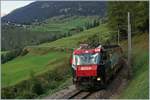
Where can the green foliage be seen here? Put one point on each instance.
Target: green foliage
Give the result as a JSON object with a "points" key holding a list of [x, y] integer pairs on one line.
{"points": [[10, 55], [37, 87], [25, 94], [93, 41], [24, 52], [138, 86], [117, 16], [94, 23]]}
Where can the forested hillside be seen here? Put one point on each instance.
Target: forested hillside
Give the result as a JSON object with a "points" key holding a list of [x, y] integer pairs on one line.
{"points": [[45, 21], [117, 20], [41, 10], [117, 16], [15, 37]]}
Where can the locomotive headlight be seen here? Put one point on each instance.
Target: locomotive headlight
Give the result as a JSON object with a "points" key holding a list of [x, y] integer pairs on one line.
{"points": [[98, 79]]}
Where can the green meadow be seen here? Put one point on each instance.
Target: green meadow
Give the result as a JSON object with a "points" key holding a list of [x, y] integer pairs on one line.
{"points": [[62, 25], [73, 41], [21, 67]]}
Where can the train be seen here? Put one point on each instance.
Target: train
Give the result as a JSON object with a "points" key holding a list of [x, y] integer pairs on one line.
{"points": [[94, 67]]}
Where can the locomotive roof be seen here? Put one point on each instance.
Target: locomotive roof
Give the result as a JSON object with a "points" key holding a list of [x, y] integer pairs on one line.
{"points": [[94, 50], [84, 51]]}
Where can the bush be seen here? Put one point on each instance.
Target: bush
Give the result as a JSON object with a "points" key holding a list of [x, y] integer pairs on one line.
{"points": [[37, 87], [92, 41], [7, 93], [27, 95], [24, 52], [10, 55]]}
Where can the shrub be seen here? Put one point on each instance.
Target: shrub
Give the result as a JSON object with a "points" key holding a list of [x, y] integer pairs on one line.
{"points": [[10, 55], [26, 94], [24, 52], [37, 87]]}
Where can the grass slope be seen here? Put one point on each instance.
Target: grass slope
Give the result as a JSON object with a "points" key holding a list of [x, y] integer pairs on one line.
{"points": [[138, 87], [62, 25], [20, 68], [73, 41]]}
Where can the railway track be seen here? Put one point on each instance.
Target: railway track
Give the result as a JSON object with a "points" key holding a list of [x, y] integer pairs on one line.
{"points": [[79, 94]]}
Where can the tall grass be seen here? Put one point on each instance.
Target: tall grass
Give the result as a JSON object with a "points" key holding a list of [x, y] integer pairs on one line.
{"points": [[138, 87]]}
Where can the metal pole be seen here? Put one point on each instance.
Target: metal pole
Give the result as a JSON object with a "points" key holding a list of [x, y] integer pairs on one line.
{"points": [[129, 45]]}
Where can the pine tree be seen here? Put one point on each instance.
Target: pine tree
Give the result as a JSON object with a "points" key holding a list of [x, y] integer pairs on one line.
{"points": [[117, 16]]}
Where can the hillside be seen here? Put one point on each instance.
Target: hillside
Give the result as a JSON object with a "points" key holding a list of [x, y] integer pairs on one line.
{"points": [[14, 37], [41, 10], [37, 54], [61, 24], [138, 86], [38, 40], [24, 66], [46, 57], [40, 62], [102, 31]]}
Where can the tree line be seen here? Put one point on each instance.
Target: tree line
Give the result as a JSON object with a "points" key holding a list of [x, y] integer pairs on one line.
{"points": [[14, 37], [117, 16], [17, 37]]}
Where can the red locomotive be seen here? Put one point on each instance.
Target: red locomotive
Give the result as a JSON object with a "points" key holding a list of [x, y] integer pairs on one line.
{"points": [[94, 67]]}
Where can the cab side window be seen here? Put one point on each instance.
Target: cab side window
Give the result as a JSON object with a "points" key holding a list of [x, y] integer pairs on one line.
{"points": [[103, 57]]}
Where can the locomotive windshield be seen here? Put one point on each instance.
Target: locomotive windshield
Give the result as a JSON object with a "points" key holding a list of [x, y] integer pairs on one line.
{"points": [[86, 59]]}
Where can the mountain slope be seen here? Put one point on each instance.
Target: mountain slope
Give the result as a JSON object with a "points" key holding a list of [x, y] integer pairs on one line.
{"points": [[29, 61], [14, 37], [41, 57], [41, 10]]}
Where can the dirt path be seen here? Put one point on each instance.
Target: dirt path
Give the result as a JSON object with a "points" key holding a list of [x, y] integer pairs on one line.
{"points": [[112, 91]]}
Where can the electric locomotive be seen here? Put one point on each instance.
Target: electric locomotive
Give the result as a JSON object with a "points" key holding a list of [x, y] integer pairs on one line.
{"points": [[94, 67]]}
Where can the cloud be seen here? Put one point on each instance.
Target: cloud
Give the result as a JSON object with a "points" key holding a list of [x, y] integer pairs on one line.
{"points": [[8, 6]]}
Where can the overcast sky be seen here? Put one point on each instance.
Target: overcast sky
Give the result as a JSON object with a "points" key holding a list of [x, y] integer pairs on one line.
{"points": [[8, 6]]}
